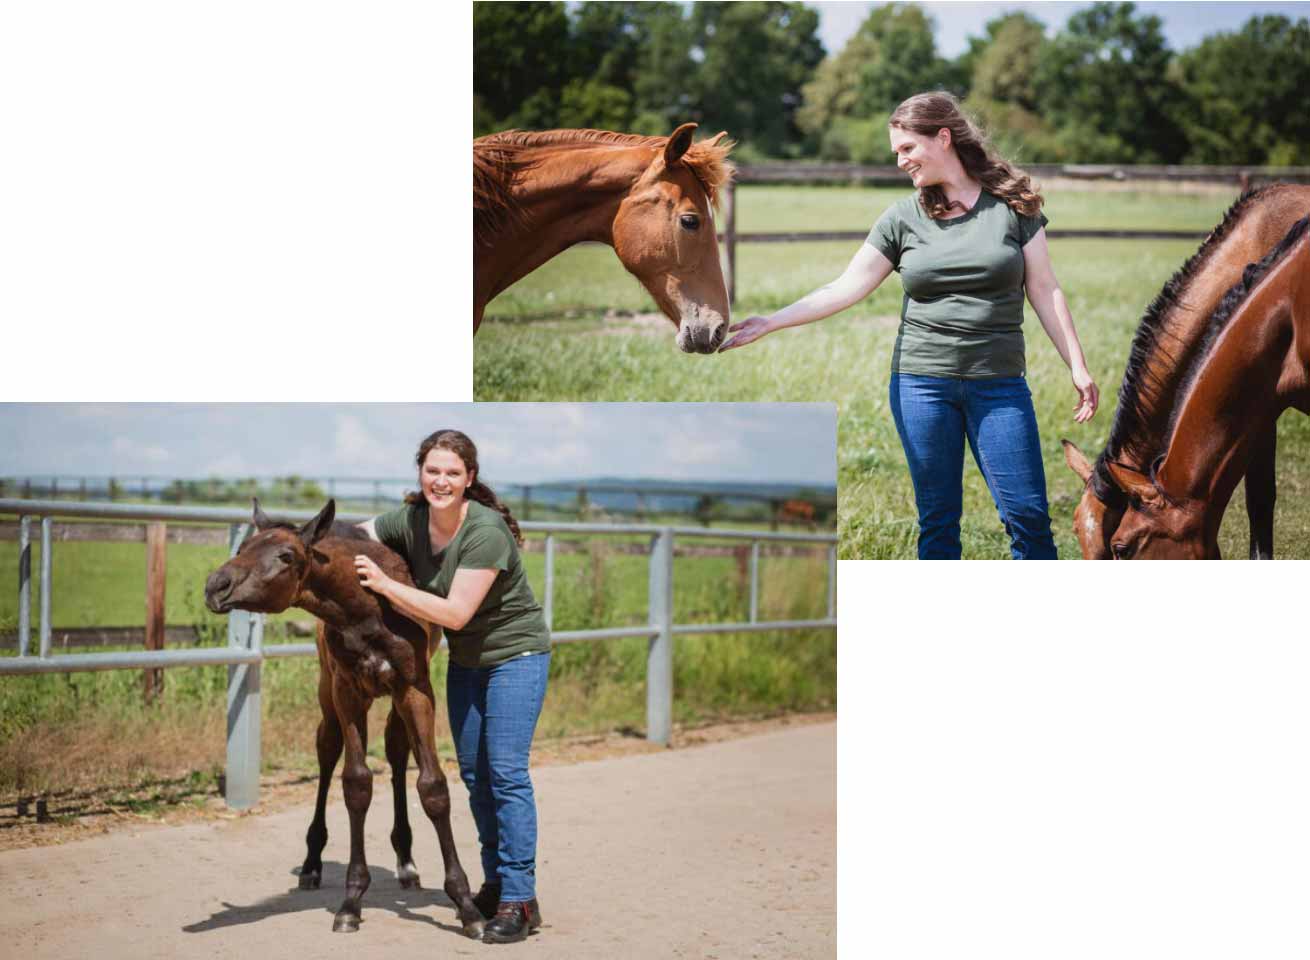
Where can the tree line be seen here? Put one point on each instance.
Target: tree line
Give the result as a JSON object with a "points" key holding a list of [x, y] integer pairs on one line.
{"points": [[1106, 88]]}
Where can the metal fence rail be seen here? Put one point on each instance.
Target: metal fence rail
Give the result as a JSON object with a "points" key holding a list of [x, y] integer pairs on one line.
{"points": [[246, 652]]}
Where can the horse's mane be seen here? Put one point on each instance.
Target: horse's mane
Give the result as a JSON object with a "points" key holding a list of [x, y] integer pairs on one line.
{"points": [[499, 159], [1141, 420]]}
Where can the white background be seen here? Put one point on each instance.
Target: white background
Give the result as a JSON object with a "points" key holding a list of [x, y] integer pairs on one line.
{"points": [[270, 201]]}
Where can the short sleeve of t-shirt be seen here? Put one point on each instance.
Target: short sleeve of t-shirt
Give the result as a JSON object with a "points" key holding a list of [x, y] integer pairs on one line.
{"points": [[393, 528], [485, 548], [885, 237], [1028, 227]]}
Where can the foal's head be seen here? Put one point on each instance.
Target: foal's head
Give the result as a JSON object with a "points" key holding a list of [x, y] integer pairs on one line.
{"points": [[1156, 526], [268, 571], [665, 235]]}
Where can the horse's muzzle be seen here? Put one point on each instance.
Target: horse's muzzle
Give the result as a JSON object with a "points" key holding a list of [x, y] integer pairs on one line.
{"points": [[701, 337], [218, 592]]}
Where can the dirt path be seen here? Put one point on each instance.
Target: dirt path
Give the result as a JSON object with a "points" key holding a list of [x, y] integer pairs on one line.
{"points": [[725, 850]]}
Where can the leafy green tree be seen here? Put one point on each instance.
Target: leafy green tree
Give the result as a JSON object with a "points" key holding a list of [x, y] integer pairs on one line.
{"points": [[591, 103], [1245, 94], [519, 51], [1103, 83], [1005, 68], [754, 58]]}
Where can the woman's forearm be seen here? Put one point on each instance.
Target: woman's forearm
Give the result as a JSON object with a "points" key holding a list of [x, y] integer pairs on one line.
{"points": [[830, 298], [421, 605], [1053, 312]]}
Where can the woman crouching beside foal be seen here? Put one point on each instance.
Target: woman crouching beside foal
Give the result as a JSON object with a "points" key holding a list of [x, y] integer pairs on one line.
{"points": [[461, 544], [968, 244]]}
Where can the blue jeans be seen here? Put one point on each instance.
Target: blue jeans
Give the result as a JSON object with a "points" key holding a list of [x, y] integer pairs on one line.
{"points": [[934, 416], [493, 713]]}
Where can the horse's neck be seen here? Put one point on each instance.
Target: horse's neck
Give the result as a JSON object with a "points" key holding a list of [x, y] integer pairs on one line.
{"points": [[321, 595], [1255, 370], [1184, 321], [567, 197]]}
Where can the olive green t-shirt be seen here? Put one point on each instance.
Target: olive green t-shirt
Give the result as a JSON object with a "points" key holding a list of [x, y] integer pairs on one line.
{"points": [[509, 621], [962, 315]]}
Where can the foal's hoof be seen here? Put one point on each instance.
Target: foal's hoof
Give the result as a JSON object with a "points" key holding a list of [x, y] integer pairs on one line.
{"points": [[345, 923], [407, 874], [310, 881]]}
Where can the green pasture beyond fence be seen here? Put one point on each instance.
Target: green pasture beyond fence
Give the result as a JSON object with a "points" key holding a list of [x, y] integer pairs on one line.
{"points": [[583, 345]]}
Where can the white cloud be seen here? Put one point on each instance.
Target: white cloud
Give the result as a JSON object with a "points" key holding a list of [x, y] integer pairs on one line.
{"points": [[356, 447]]}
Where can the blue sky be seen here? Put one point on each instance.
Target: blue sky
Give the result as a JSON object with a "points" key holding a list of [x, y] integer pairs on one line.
{"points": [[517, 443], [1185, 24]]}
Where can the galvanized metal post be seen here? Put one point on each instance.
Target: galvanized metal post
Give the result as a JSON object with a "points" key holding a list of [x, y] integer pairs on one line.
{"points": [[244, 630], [755, 581], [548, 601], [45, 586], [832, 581], [659, 657], [24, 584]]}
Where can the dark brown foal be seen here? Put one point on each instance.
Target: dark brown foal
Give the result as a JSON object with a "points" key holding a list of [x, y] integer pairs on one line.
{"points": [[366, 649]]}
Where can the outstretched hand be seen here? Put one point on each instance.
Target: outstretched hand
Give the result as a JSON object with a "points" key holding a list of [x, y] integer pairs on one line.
{"points": [[370, 574], [1089, 396], [748, 331]]}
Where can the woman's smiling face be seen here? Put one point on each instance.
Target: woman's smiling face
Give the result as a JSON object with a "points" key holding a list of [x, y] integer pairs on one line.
{"points": [[922, 157], [444, 478]]}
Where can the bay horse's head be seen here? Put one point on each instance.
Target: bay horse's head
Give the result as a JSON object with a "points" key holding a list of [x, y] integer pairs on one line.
{"points": [[1095, 518], [268, 571], [1157, 526], [665, 235]]}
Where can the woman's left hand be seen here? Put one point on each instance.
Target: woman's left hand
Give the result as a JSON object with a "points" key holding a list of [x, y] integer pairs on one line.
{"points": [[1088, 395], [370, 575]]}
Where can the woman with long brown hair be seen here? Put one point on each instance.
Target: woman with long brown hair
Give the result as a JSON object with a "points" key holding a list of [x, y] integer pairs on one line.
{"points": [[461, 544], [969, 243]]}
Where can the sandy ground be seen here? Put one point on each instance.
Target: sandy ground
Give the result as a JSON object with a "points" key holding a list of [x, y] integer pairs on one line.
{"points": [[726, 849]]}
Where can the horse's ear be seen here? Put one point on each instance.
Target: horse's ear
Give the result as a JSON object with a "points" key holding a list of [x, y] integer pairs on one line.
{"points": [[714, 140], [1076, 459], [262, 522], [679, 143], [1136, 485], [317, 528]]}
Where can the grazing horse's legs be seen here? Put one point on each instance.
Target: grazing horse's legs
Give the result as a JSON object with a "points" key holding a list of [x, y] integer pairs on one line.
{"points": [[357, 785], [328, 743], [417, 705], [402, 838], [1261, 492]]}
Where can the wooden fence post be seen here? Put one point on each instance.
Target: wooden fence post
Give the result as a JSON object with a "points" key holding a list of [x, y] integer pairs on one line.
{"points": [[731, 237], [156, 574]]}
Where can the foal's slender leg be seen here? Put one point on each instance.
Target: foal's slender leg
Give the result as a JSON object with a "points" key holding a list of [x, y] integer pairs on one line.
{"points": [[328, 743], [1261, 492], [357, 784], [417, 706], [402, 838]]}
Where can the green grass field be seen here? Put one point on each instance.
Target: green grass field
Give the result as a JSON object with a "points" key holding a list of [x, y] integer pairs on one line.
{"points": [[846, 358]]}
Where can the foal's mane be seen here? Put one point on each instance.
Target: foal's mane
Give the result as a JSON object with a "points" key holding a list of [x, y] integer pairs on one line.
{"points": [[1143, 416], [500, 159]]}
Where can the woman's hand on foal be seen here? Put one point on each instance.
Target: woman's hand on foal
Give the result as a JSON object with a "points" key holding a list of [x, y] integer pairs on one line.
{"points": [[1089, 396], [370, 575], [748, 331]]}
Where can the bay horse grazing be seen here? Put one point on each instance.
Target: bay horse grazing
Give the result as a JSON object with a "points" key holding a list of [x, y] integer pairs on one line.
{"points": [[650, 198], [366, 649], [1167, 340], [1257, 366]]}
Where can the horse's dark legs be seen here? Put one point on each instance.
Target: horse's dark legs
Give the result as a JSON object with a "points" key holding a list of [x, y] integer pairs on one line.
{"points": [[418, 709], [402, 838], [1261, 492], [328, 742], [357, 784]]}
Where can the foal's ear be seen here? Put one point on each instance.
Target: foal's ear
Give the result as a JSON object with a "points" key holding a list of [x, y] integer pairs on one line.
{"points": [[1136, 485], [1076, 459], [262, 522], [317, 528], [679, 143]]}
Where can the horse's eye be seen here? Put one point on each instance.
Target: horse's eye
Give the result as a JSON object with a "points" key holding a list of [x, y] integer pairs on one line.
{"points": [[286, 556], [690, 221]]}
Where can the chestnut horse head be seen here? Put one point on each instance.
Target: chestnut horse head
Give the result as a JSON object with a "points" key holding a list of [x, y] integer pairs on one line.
{"points": [[1255, 365], [268, 572], [651, 198], [1168, 339]]}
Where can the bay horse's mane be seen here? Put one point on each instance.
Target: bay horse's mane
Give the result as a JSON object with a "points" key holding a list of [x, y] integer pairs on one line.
{"points": [[1144, 414], [500, 160]]}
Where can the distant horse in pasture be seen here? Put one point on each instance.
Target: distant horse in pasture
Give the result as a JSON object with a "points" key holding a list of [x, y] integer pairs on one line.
{"points": [[1258, 365], [366, 649], [650, 198], [799, 512], [1168, 339]]}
